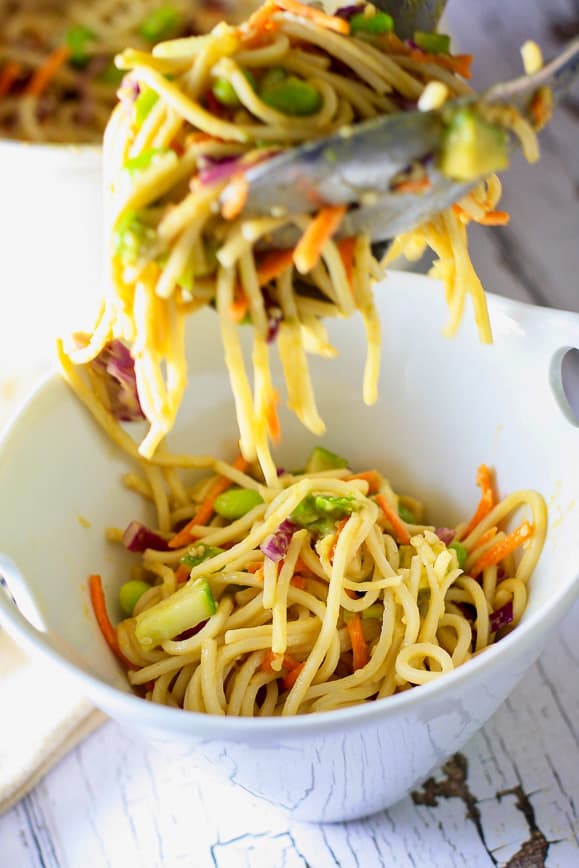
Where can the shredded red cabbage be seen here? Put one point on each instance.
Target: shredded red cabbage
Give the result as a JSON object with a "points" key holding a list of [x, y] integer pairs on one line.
{"points": [[276, 545], [347, 12], [213, 170], [501, 617], [445, 534], [116, 362], [280, 471], [274, 315], [138, 537], [128, 91]]}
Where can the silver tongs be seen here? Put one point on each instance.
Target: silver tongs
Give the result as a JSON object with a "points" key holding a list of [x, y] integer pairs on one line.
{"points": [[359, 167]]}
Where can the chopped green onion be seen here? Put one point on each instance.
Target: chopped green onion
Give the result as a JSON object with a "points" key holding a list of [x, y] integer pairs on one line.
{"points": [[77, 40], [144, 103], [130, 593], [142, 161], [461, 553], [161, 23], [376, 24], [183, 610], [200, 553], [129, 235], [434, 43], [236, 502], [292, 96], [406, 514]]}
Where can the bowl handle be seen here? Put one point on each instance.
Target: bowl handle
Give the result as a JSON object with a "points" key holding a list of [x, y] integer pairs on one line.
{"points": [[562, 338]]}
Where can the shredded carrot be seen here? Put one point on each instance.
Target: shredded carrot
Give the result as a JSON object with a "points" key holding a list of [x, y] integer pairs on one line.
{"points": [[298, 582], [255, 567], [487, 537], [504, 547], [413, 185], [372, 477], [99, 607], [290, 679], [302, 567], [487, 501], [328, 22], [541, 107], [238, 188], [400, 530], [205, 510], [272, 264], [339, 529], [459, 63], [45, 73], [495, 218], [271, 417], [346, 247], [182, 573], [8, 76], [359, 644], [319, 231], [393, 44], [288, 663], [239, 305], [260, 20]]}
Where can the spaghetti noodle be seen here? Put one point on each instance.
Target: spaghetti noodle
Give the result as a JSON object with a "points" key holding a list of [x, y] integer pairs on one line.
{"points": [[327, 591], [58, 82], [194, 116]]}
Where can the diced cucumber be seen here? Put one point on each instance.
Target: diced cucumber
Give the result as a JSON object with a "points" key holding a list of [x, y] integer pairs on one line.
{"points": [[461, 553], [183, 610], [471, 147], [200, 553], [433, 43], [322, 459], [406, 514]]}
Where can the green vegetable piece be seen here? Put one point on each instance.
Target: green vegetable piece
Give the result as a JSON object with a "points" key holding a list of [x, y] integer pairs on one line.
{"points": [[319, 513], [225, 93], [160, 23], [111, 75], [471, 147], [376, 24], [323, 526], [142, 161], [322, 459], [376, 610], [200, 553], [236, 502], [406, 514], [292, 96], [183, 610], [461, 553], [77, 40], [305, 512], [130, 594], [144, 103], [434, 43], [334, 505], [129, 235], [273, 77]]}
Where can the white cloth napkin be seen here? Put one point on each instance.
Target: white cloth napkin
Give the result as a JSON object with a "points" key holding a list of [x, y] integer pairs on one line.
{"points": [[42, 717]]}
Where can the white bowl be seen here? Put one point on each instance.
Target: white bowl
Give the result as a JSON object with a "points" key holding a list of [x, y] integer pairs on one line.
{"points": [[52, 224], [445, 407]]}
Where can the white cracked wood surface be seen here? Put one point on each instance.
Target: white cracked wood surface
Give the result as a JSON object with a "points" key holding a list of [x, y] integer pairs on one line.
{"points": [[511, 796]]}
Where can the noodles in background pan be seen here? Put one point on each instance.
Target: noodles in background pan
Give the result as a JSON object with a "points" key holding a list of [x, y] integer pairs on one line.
{"points": [[324, 592], [194, 115], [58, 81]]}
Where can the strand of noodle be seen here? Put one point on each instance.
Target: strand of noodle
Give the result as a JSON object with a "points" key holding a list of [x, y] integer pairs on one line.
{"points": [[212, 690], [515, 590], [466, 277], [155, 480], [235, 364], [489, 580], [459, 625], [315, 336], [280, 602], [482, 626], [269, 703], [143, 140], [252, 613], [388, 686], [411, 614], [358, 94], [263, 394], [241, 681], [181, 683], [292, 355], [178, 258], [250, 282], [213, 628], [422, 650], [342, 699], [322, 644], [370, 317], [193, 699], [160, 692], [167, 575], [150, 184], [267, 55], [390, 69], [337, 273], [100, 335], [269, 582], [434, 72], [138, 484], [197, 77], [249, 700], [192, 208]]}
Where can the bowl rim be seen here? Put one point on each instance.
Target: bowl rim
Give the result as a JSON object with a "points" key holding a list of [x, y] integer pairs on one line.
{"points": [[160, 717]]}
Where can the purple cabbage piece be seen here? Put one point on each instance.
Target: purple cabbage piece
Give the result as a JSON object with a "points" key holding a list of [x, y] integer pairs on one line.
{"points": [[138, 537], [116, 363], [128, 91], [276, 545], [280, 471], [274, 315], [213, 170], [501, 617], [347, 12], [445, 534]]}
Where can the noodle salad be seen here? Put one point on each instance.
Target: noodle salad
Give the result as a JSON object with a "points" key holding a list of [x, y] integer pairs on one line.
{"points": [[58, 81], [326, 591], [194, 116]]}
